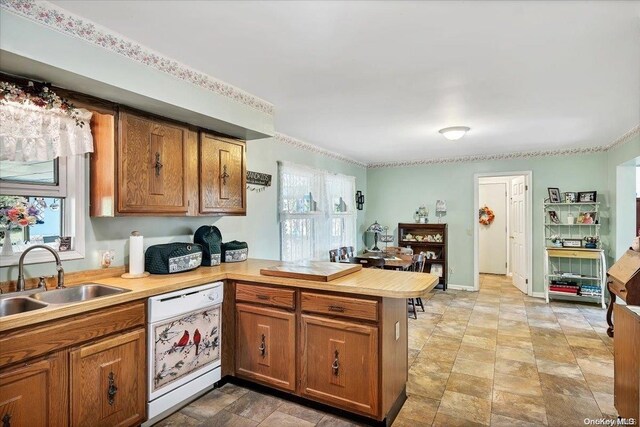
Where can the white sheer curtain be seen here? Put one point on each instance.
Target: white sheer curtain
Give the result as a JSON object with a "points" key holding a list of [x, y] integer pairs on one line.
{"points": [[30, 133], [317, 212]]}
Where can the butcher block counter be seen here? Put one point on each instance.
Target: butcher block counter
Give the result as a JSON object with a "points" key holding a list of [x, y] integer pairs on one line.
{"points": [[341, 343]]}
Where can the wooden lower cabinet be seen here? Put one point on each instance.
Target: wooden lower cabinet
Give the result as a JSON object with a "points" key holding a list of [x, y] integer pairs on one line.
{"points": [[108, 381], [265, 345], [626, 351], [339, 363], [35, 394]]}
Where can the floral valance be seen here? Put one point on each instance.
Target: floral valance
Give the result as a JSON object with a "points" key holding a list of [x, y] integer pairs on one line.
{"points": [[41, 126]]}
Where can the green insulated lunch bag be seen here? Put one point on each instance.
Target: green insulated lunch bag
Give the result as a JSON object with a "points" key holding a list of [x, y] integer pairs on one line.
{"points": [[210, 238], [172, 258], [235, 251]]}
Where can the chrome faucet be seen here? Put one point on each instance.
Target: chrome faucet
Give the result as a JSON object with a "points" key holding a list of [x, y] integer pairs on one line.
{"points": [[20, 284]]}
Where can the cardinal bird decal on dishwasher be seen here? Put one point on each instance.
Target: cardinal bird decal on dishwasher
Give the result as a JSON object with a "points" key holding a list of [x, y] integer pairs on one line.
{"points": [[183, 341], [196, 340]]}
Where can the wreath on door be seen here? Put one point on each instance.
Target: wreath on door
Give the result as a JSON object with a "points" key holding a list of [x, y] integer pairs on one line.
{"points": [[486, 215]]}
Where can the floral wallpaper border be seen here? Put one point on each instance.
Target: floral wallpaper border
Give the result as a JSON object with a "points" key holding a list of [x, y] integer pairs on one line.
{"points": [[285, 139], [73, 25]]}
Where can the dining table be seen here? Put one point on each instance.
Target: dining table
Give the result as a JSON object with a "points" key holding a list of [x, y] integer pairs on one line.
{"points": [[392, 261]]}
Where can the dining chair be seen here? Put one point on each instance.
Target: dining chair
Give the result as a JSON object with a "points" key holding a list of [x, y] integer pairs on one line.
{"points": [[333, 255], [368, 262], [418, 267], [344, 254]]}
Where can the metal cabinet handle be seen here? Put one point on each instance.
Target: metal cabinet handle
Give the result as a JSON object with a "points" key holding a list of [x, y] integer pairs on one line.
{"points": [[336, 364], [112, 390], [336, 308], [260, 296], [262, 348], [158, 165], [6, 420], [224, 175]]}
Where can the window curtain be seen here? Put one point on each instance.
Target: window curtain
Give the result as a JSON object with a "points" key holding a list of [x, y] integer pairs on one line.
{"points": [[316, 210], [29, 133]]}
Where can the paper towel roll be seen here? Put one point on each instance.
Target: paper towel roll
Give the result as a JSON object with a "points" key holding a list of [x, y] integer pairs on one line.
{"points": [[136, 253]]}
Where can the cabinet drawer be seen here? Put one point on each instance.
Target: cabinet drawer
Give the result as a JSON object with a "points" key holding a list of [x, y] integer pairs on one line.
{"points": [[339, 306], [264, 295], [565, 253]]}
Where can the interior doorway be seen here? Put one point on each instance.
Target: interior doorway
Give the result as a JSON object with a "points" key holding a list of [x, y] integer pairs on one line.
{"points": [[502, 230]]}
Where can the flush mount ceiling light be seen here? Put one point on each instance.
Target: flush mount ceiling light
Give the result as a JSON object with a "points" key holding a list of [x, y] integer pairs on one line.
{"points": [[454, 133]]}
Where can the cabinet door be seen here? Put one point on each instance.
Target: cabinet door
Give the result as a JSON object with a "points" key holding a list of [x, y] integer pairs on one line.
{"points": [[35, 394], [222, 175], [108, 381], [152, 159], [265, 345], [339, 363]]}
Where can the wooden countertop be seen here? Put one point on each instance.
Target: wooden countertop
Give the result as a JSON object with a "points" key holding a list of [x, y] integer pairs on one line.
{"points": [[367, 282]]}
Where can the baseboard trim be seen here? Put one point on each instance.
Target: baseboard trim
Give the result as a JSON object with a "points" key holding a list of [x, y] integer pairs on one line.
{"points": [[460, 287], [538, 294]]}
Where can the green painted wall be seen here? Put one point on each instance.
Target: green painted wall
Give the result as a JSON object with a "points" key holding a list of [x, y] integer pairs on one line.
{"points": [[259, 228], [621, 171], [395, 193]]}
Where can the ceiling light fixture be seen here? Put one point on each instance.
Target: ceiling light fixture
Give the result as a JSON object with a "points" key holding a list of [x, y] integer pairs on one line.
{"points": [[454, 133]]}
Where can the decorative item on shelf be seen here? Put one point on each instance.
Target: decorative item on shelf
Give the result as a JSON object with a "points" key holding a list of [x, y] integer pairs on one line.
{"points": [[441, 209], [571, 219], [553, 217], [587, 196], [257, 181], [376, 229], [572, 243], [409, 237], [437, 238], [310, 205], [17, 212], [422, 215], [586, 218], [359, 200], [556, 240], [486, 215], [340, 205], [570, 197], [436, 269], [591, 242], [554, 195], [65, 244], [386, 238]]}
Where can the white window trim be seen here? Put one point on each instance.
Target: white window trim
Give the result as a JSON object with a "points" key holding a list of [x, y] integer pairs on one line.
{"points": [[73, 220]]}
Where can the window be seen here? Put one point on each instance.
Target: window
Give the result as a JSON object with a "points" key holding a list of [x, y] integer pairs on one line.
{"points": [[55, 188], [317, 212]]}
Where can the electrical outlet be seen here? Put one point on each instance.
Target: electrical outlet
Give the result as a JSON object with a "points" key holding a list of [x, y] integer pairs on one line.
{"points": [[397, 331]]}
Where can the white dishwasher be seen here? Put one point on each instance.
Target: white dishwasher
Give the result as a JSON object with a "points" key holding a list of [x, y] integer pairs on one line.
{"points": [[183, 348]]}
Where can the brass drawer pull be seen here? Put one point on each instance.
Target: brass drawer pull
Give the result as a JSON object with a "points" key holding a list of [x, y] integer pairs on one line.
{"points": [[260, 296], [112, 390], [336, 308], [262, 348], [336, 364]]}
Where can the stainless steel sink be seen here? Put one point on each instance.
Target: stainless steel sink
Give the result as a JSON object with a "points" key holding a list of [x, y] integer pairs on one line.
{"points": [[18, 305], [78, 293]]}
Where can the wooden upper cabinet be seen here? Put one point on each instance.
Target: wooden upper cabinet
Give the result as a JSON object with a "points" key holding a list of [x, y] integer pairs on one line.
{"points": [[34, 394], [153, 158], [108, 385], [223, 173]]}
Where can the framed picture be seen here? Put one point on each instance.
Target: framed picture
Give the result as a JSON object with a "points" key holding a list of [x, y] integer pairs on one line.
{"points": [[586, 218], [572, 243], [554, 195], [553, 217], [65, 244], [436, 269], [570, 197], [587, 196]]}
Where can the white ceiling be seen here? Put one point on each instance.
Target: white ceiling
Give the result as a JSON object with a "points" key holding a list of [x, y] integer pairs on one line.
{"points": [[376, 80]]}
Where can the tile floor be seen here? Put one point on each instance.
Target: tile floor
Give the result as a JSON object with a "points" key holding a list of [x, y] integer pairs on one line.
{"points": [[494, 357]]}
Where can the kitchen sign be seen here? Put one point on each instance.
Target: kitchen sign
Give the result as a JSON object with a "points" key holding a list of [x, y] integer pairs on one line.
{"points": [[257, 178]]}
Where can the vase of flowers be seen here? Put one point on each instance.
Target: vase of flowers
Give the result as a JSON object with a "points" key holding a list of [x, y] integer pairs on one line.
{"points": [[16, 211]]}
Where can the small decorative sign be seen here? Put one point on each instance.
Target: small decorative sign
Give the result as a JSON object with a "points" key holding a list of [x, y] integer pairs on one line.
{"points": [[257, 178]]}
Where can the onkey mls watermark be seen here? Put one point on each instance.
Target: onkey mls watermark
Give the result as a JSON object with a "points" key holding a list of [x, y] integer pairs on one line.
{"points": [[610, 421]]}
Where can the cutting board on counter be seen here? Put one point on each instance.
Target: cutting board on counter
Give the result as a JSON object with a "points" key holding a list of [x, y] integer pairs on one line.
{"points": [[317, 271]]}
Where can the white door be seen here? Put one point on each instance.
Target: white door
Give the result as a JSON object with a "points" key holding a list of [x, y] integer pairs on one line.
{"points": [[518, 233], [493, 237]]}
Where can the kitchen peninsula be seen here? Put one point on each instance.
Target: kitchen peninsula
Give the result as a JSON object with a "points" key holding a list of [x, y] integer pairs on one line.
{"points": [[341, 343]]}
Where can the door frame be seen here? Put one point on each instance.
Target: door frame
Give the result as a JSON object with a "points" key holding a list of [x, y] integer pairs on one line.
{"points": [[528, 179]]}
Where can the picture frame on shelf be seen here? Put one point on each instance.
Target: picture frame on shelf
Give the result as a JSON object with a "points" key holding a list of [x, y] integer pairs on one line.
{"points": [[587, 196], [572, 243], [570, 197], [436, 270], [586, 218], [554, 195], [553, 217]]}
